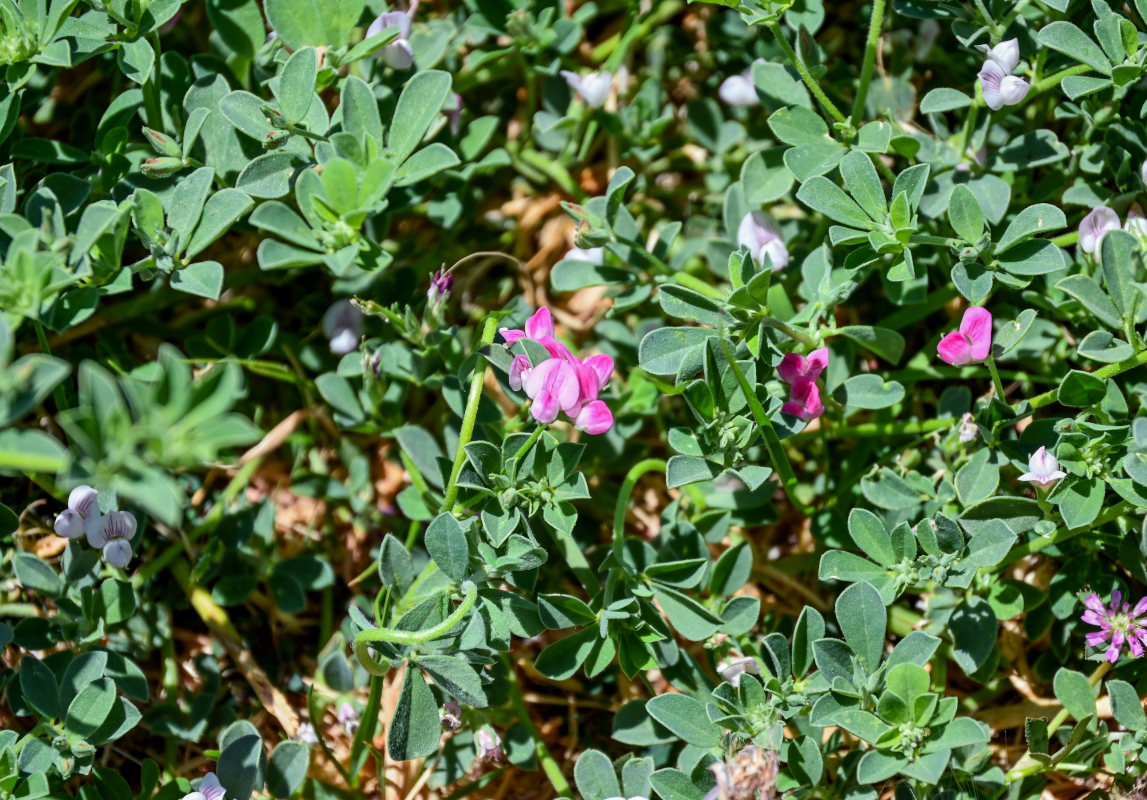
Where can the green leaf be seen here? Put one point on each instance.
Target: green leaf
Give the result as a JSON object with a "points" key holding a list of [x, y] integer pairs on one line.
{"points": [[297, 84], [135, 59], [223, 210], [38, 685], [871, 537], [686, 718], [863, 620], [203, 279], [36, 574], [242, 761], [430, 160], [268, 176], [421, 100], [415, 728], [360, 110], [447, 544], [821, 194], [1121, 262], [319, 23], [974, 630], [863, 184], [287, 768], [1080, 500], [1081, 389], [940, 100], [978, 478], [868, 391], [239, 24], [965, 214], [1033, 257], [1126, 705], [1084, 289], [564, 657], [456, 677], [91, 707], [674, 350], [1071, 41], [887, 344], [1075, 692], [1032, 221], [691, 619], [595, 776]]}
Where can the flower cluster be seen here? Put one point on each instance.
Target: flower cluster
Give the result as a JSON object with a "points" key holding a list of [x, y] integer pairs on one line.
{"points": [[801, 374], [110, 533], [563, 383], [759, 233], [1119, 623], [972, 343], [1102, 220], [1002, 88]]}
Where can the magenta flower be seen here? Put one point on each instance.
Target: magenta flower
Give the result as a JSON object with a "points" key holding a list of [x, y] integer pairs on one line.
{"points": [[805, 402], [563, 383], [1118, 623], [1043, 468], [1095, 226], [441, 285], [972, 342], [794, 365]]}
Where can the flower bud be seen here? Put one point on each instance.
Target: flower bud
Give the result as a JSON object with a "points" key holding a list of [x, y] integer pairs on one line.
{"points": [[161, 166], [275, 139], [441, 285], [163, 144]]}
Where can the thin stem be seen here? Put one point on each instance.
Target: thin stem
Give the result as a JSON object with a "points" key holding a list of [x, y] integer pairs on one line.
{"points": [[525, 448], [1103, 373], [618, 546], [365, 733], [799, 65], [1061, 535], [773, 444], [58, 393], [874, 27], [395, 636], [469, 417], [1053, 80], [789, 330], [996, 382], [549, 764]]}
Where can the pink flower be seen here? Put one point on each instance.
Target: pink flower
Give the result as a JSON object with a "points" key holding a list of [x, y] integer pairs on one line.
{"points": [[590, 414], [1043, 468], [1005, 54], [1118, 623], [113, 538], [553, 386], [540, 325], [759, 233], [794, 365], [1094, 226], [970, 344], [805, 402]]}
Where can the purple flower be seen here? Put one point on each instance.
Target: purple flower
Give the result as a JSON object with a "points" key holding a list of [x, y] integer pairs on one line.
{"points": [[440, 287], [209, 789], [1118, 623], [759, 233], [489, 744], [348, 718]]}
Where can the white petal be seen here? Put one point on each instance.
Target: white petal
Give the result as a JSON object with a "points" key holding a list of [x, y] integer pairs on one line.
{"points": [[738, 90], [1006, 54], [1013, 90], [84, 500], [118, 553]]}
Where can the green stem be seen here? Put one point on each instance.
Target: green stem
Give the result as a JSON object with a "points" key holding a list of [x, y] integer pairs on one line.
{"points": [[618, 546], [1026, 767], [58, 393], [1051, 81], [799, 65], [1103, 373], [365, 733], [773, 444], [1061, 535], [525, 448], [874, 27], [549, 764], [411, 638], [469, 417], [996, 382], [789, 330]]}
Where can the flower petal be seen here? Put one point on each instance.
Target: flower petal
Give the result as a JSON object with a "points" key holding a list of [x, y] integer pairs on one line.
{"points": [[792, 366], [540, 324], [955, 349], [977, 326], [84, 500], [595, 418]]}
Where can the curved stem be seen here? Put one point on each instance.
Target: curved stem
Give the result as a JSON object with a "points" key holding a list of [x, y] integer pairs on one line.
{"points": [[874, 27], [395, 636], [470, 417], [802, 70]]}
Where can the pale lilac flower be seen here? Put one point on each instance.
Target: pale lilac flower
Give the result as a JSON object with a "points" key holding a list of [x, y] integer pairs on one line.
{"points": [[805, 402], [592, 255], [1095, 226], [732, 669], [1119, 624], [1136, 223], [1043, 468], [593, 87], [489, 744], [209, 789], [758, 233], [398, 54], [1001, 89], [739, 90], [1005, 54], [114, 537], [1143, 173], [454, 114], [342, 325], [306, 734], [83, 513], [451, 715], [972, 342], [794, 365], [348, 718], [968, 429]]}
